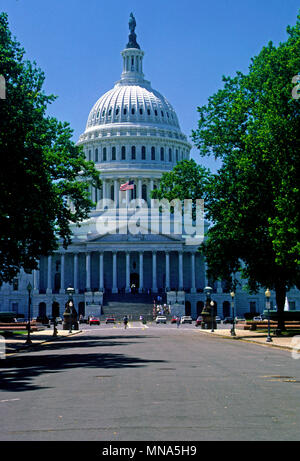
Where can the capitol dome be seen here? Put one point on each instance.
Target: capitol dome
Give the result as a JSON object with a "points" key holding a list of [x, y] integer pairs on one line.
{"points": [[132, 132]]}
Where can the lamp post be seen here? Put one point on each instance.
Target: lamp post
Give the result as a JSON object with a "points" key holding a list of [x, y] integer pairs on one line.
{"points": [[232, 331], [206, 311], [268, 305], [212, 305], [29, 288], [70, 291]]}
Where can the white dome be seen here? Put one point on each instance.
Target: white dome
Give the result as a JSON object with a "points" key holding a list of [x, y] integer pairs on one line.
{"points": [[129, 103]]}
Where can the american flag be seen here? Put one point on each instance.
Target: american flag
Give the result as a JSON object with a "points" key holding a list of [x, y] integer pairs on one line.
{"points": [[127, 186]]}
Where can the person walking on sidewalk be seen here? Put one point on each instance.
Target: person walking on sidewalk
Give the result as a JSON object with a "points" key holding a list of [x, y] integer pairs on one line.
{"points": [[125, 321], [178, 321]]}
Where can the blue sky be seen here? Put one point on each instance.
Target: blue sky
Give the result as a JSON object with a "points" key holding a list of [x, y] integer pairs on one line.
{"points": [[188, 47]]}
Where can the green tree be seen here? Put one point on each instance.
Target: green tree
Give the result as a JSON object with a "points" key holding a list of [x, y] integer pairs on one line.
{"points": [[252, 124], [41, 168]]}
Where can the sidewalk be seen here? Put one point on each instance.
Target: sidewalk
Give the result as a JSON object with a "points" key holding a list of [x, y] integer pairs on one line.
{"points": [[14, 345], [256, 337]]}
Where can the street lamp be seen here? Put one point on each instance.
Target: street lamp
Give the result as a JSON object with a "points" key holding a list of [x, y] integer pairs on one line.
{"points": [[212, 305], [268, 306], [29, 288], [232, 331]]}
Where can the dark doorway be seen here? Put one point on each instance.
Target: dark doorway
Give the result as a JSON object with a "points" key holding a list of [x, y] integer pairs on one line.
{"points": [[55, 309], [134, 282], [81, 308], [200, 305], [42, 310], [226, 309], [188, 309]]}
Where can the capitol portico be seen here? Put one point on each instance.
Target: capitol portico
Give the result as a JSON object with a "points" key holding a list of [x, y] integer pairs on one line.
{"points": [[132, 135]]}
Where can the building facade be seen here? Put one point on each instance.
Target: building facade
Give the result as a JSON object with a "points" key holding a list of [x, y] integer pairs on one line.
{"points": [[133, 136]]}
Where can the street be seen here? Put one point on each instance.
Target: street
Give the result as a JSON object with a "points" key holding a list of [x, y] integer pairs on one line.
{"points": [[149, 382]]}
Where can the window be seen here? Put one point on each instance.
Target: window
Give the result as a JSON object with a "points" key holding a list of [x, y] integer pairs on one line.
{"points": [[123, 153], [14, 307], [155, 112], [162, 154], [253, 307], [148, 111], [144, 192], [96, 155], [176, 155], [141, 111], [117, 110], [113, 153], [103, 113], [170, 155], [133, 111], [109, 112], [112, 192], [152, 153], [90, 155], [143, 153], [133, 153], [162, 114], [104, 154], [292, 305], [125, 111]]}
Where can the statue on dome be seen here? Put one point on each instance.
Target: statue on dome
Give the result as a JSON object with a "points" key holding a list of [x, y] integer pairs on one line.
{"points": [[132, 23], [132, 36]]}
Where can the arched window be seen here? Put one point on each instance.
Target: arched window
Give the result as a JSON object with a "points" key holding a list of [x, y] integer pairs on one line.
{"points": [[96, 155], [162, 154], [143, 153], [170, 155], [141, 111], [155, 112], [123, 153], [148, 111], [133, 111], [125, 111], [104, 154], [152, 153], [117, 110], [113, 153], [133, 152]]}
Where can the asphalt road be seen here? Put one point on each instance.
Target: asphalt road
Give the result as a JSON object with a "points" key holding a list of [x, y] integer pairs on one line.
{"points": [[154, 383]]}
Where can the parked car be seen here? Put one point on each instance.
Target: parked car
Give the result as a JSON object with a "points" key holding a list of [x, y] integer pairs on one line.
{"points": [[198, 321], [239, 319], [174, 319], [161, 319], [94, 321], [228, 320], [259, 318], [218, 319], [20, 320], [186, 319], [59, 320], [110, 320]]}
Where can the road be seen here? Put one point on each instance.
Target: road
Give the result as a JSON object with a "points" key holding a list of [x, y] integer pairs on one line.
{"points": [[149, 383]]}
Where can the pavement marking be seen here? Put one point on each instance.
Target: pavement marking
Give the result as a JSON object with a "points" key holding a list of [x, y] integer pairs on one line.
{"points": [[8, 400]]}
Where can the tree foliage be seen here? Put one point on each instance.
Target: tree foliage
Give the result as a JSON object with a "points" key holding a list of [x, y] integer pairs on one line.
{"points": [[252, 124], [41, 167]]}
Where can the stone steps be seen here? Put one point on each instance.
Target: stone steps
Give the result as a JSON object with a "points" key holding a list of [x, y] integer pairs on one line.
{"points": [[119, 310]]}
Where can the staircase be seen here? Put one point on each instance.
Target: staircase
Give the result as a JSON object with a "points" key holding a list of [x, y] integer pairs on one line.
{"points": [[131, 304]]}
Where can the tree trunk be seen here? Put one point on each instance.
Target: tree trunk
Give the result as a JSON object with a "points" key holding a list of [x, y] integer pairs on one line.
{"points": [[280, 289]]}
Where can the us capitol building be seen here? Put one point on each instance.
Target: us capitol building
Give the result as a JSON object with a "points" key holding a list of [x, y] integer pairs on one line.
{"points": [[133, 136]]}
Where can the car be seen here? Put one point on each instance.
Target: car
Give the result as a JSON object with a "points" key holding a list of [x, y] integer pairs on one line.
{"points": [[198, 321], [218, 319], [20, 320], [94, 321], [186, 319], [258, 319], [161, 319], [110, 320], [239, 319], [174, 319], [59, 320], [228, 320]]}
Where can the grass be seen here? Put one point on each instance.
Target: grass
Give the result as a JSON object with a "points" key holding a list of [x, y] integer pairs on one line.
{"points": [[9, 334], [286, 334]]}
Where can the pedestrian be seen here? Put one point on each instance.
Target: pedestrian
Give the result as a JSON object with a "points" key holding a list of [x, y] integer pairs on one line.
{"points": [[178, 321], [125, 321]]}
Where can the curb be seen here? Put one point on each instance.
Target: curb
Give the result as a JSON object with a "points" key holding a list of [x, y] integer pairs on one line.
{"points": [[46, 341], [236, 338]]}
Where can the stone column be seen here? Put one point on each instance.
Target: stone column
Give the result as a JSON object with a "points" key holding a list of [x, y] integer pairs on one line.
{"points": [[88, 271], [127, 271], [167, 270], [75, 282], [62, 273], [114, 285], [116, 192], [193, 278], [154, 279], [180, 269], [139, 194], [141, 272], [49, 276], [104, 196], [101, 273], [151, 189]]}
